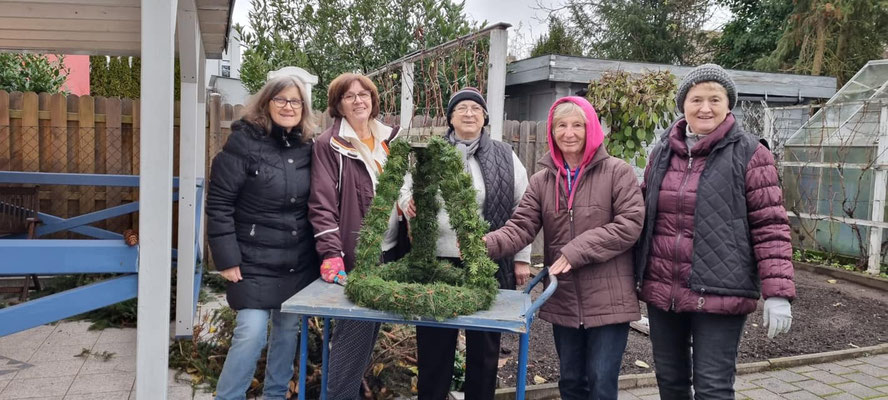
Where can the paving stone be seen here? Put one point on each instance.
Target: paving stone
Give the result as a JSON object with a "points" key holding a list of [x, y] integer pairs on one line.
{"points": [[755, 376], [801, 395], [186, 393], [866, 379], [834, 368], [32, 337], [825, 377], [776, 385], [51, 369], [761, 394], [843, 396], [114, 335], [57, 353], [100, 383], [3, 383], [803, 368], [740, 396], [644, 391], [858, 389], [99, 396], [73, 334], [872, 370], [849, 362], [883, 389], [37, 388], [24, 352], [650, 397], [625, 395], [119, 349], [114, 365], [880, 360], [742, 384], [818, 388], [786, 375]]}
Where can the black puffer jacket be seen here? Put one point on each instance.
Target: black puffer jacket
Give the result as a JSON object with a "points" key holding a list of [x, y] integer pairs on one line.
{"points": [[257, 216]]}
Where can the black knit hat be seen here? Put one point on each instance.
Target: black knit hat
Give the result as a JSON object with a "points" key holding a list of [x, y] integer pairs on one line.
{"points": [[706, 73], [466, 93]]}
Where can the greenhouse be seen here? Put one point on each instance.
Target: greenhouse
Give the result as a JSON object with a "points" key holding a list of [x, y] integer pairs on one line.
{"points": [[835, 169]]}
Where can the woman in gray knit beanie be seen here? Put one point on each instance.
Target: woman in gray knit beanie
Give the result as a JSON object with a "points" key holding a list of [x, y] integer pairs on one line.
{"points": [[716, 238]]}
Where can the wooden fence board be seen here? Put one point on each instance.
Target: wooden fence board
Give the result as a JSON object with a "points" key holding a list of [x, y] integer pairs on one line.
{"points": [[15, 133], [113, 156], [30, 132], [5, 133], [58, 136], [86, 145]]}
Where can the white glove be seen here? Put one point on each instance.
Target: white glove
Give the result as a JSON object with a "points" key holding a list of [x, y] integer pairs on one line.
{"points": [[777, 316]]}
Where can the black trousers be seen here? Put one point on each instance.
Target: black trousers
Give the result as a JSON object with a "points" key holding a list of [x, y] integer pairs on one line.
{"points": [[695, 347], [436, 348]]}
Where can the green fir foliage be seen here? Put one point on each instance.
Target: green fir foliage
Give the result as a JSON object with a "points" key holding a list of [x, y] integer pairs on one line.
{"points": [[633, 108], [121, 77], [752, 33], [32, 73], [419, 285], [557, 41]]}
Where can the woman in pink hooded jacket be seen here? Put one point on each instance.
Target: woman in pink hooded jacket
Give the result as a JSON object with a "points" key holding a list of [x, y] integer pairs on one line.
{"points": [[590, 209]]}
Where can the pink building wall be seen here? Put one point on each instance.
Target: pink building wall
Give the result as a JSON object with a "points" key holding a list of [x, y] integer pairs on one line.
{"points": [[78, 73]]}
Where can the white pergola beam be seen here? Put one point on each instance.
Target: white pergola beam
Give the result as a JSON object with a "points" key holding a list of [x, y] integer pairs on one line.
{"points": [[406, 94], [188, 36], [496, 81], [158, 19]]}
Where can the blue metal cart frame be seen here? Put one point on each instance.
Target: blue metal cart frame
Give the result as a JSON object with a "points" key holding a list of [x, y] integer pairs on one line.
{"points": [[512, 312]]}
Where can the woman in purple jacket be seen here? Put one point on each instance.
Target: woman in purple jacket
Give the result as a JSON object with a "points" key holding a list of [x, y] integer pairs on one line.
{"points": [[716, 238]]}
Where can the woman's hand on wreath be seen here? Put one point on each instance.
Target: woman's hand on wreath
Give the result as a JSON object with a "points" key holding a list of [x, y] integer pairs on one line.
{"points": [[233, 274], [560, 266], [333, 269], [522, 272]]}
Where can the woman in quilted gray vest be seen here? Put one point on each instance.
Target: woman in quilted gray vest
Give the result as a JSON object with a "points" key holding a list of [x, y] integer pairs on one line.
{"points": [[716, 238], [499, 180]]}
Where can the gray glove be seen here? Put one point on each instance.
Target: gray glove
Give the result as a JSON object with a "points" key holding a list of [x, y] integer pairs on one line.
{"points": [[777, 316]]}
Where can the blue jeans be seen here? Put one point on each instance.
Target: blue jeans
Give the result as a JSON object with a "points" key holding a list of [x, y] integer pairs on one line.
{"points": [[590, 360], [711, 365], [246, 347]]}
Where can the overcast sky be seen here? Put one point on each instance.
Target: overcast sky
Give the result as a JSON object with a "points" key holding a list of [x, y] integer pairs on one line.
{"points": [[527, 21]]}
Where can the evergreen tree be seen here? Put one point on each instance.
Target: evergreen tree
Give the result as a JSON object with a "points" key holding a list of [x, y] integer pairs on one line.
{"points": [[557, 41], [830, 37], [752, 33], [669, 32]]}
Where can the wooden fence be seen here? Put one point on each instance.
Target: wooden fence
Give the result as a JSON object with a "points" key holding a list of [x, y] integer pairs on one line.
{"points": [[97, 135]]}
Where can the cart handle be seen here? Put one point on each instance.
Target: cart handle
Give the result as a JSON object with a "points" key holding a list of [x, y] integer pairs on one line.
{"points": [[553, 284]]}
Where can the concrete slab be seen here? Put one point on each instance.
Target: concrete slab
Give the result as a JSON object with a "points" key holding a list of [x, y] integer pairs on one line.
{"points": [[52, 369], [73, 333], [99, 396], [59, 352], [114, 365], [102, 383], [39, 388]]}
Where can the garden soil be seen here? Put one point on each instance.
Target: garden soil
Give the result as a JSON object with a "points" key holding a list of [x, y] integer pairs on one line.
{"points": [[826, 317]]}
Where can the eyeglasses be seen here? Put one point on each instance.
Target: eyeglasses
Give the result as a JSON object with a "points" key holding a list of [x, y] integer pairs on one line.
{"points": [[282, 102], [350, 97], [465, 109]]}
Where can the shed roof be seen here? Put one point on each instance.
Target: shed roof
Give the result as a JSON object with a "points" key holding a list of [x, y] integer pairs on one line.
{"points": [[98, 27], [558, 68]]}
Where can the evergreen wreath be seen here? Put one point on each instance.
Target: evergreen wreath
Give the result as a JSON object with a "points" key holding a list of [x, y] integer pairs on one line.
{"points": [[419, 285]]}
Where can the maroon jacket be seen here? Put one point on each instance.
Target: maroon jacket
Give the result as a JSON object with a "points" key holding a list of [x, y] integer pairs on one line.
{"points": [[666, 278], [341, 192], [594, 228]]}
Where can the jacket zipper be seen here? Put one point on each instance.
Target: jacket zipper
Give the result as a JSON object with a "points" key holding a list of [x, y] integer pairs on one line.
{"points": [[570, 214], [253, 230], [675, 267]]}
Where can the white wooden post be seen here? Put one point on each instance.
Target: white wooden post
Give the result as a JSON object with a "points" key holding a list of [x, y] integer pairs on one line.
{"points": [[880, 181], [406, 94], [155, 192], [304, 76], [188, 34], [768, 125], [201, 128], [496, 81]]}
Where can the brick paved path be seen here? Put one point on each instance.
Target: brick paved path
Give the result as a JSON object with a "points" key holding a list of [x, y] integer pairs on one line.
{"points": [[859, 378]]}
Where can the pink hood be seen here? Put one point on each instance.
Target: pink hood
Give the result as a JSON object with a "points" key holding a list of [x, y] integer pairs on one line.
{"points": [[594, 138]]}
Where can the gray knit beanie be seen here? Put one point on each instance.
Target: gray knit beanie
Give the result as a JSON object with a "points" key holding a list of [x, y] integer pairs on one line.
{"points": [[706, 73], [467, 93]]}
